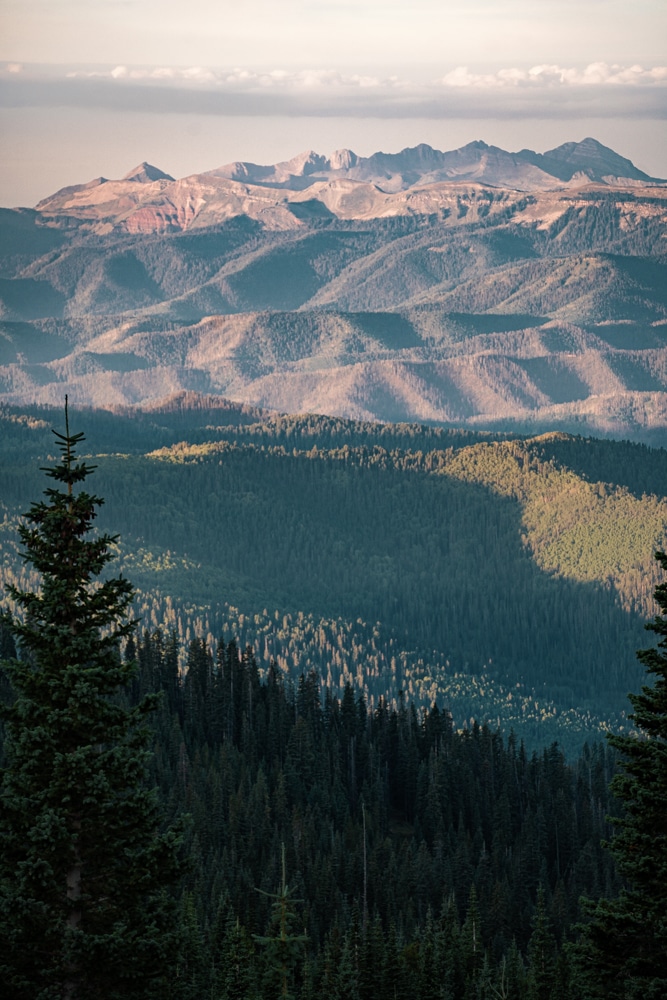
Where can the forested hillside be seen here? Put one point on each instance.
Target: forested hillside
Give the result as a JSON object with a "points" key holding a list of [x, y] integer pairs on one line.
{"points": [[505, 579], [350, 834]]}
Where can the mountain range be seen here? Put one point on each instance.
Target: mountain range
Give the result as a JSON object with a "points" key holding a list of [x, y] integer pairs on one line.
{"points": [[417, 180], [577, 162], [471, 287]]}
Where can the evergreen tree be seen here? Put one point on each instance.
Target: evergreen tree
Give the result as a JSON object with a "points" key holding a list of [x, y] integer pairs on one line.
{"points": [[83, 869], [541, 954], [191, 973], [472, 946], [7, 645], [625, 945], [237, 966], [512, 985], [7, 652], [283, 949]]}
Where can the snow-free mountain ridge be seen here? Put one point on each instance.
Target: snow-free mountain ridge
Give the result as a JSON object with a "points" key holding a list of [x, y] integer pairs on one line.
{"points": [[416, 181], [583, 161], [145, 173]]}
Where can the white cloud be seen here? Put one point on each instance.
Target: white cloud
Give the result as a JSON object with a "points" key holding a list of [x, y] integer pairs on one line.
{"points": [[550, 75], [546, 90], [156, 74], [239, 78]]}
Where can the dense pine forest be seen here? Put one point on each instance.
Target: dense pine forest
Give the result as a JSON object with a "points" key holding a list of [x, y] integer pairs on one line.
{"points": [[419, 861], [179, 821], [362, 853], [506, 579]]}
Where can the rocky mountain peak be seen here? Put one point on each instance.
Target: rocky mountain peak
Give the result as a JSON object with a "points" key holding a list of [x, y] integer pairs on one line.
{"points": [[343, 159], [594, 160], [308, 162], [146, 173]]}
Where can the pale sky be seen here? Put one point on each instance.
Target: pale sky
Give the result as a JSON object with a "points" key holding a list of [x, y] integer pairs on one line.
{"points": [[93, 87]]}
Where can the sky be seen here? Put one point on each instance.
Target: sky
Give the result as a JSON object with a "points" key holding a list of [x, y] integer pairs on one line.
{"points": [[91, 88]]}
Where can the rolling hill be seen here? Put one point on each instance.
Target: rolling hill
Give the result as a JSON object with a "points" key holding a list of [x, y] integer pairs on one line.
{"points": [[440, 287]]}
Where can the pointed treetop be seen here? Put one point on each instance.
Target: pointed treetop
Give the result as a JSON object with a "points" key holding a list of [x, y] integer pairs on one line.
{"points": [[66, 471]]}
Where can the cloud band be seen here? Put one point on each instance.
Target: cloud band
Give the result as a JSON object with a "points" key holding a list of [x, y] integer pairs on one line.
{"points": [[548, 91]]}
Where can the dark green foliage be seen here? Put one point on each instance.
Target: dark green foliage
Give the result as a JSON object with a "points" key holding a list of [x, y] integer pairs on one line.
{"points": [[359, 557], [83, 870], [236, 964], [415, 853], [390, 547], [625, 945], [541, 955], [417, 849], [282, 946], [7, 644]]}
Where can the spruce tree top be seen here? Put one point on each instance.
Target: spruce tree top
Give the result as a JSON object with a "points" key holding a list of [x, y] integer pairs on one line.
{"points": [[56, 544], [640, 844]]}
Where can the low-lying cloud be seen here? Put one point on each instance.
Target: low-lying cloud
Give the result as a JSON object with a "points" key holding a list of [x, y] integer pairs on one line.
{"points": [[544, 75], [239, 79], [550, 91], [548, 75]]}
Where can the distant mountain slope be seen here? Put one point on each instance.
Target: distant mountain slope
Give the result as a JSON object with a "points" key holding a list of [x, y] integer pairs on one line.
{"points": [[394, 287], [587, 158]]}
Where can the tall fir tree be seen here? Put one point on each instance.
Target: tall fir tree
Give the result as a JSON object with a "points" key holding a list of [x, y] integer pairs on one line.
{"points": [[84, 870], [541, 954], [283, 948], [624, 948]]}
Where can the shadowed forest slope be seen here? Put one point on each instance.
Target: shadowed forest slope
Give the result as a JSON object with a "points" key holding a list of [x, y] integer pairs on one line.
{"points": [[508, 578]]}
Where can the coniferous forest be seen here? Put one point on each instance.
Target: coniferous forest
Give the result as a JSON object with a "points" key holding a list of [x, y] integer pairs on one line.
{"points": [[224, 829], [419, 861], [506, 579]]}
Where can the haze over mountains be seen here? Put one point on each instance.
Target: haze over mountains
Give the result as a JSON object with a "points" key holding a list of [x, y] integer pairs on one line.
{"points": [[468, 287]]}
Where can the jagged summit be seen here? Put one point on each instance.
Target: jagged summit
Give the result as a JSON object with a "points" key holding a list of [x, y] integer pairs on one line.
{"points": [[308, 162], [146, 173], [343, 159], [477, 162], [403, 286]]}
